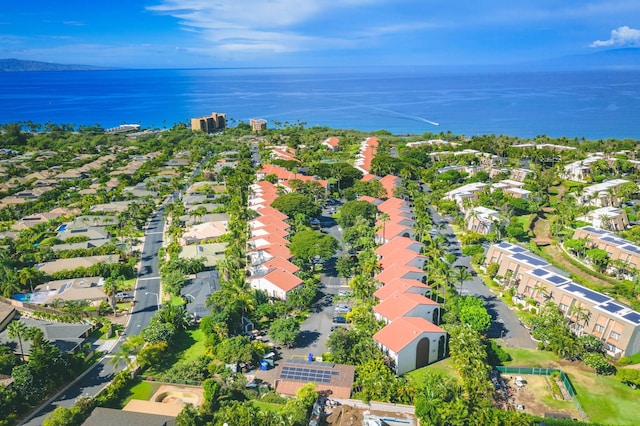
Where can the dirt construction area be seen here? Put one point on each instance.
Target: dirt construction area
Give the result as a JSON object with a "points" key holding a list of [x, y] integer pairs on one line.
{"points": [[534, 396], [355, 413]]}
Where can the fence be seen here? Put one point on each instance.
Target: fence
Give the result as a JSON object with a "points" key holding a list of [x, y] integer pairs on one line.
{"points": [[547, 372]]}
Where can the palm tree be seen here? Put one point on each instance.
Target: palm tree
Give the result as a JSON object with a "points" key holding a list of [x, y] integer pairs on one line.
{"points": [[461, 274], [18, 330], [384, 218], [110, 288], [539, 290], [580, 313]]}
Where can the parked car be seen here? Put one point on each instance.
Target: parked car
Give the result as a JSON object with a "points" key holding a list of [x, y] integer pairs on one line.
{"points": [[123, 296], [344, 293], [343, 309], [339, 320], [335, 327]]}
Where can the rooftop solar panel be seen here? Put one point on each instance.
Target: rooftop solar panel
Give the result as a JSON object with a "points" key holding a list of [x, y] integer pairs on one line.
{"points": [[530, 260], [306, 374], [594, 230], [611, 307], [539, 272], [633, 317], [610, 239], [588, 294], [517, 249], [556, 279], [632, 248]]}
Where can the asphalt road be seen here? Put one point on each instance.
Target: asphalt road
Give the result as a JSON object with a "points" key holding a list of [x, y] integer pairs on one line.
{"points": [[505, 323], [317, 327], [147, 287]]}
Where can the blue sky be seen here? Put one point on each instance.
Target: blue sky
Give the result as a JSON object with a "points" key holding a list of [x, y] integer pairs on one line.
{"points": [[233, 33]]}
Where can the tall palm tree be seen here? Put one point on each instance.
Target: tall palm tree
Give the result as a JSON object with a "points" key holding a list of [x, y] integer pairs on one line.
{"points": [[18, 330], [384, 218], [461, 274]]}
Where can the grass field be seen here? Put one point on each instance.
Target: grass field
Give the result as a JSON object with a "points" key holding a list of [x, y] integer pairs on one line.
{"points": [[266, 406], [142, 391], [185, 348], [603, 398], [444, 366]]}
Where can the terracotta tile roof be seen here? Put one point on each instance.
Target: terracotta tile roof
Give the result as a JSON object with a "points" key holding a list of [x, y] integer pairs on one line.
{"points": [[368, 177], [398, 271], [267, 240], [275, 250], [270, 229], [399, 304], [399, 285], [280, 263], [271, 213], [399, 243], [392, 230], [267, 222], [390, 182], [282, 279], [403, 257], [401, 332], [332, 142]]}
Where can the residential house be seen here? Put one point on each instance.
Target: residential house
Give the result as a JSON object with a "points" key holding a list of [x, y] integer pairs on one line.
{"points": [[198, 290], [276, 282], [483, 220], [407, 305], [203, 232], [520, 174], [466, 192], [76, 262], [402, 285], [87, 288], [330, 379], [368, 150], [332, 144], [580, 171], [66, 337], [604, 194], [608, 218], [210, 253], [412, 343]]}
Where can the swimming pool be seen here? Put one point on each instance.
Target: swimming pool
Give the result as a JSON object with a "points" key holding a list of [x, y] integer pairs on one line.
{"points": [[20, 297]]}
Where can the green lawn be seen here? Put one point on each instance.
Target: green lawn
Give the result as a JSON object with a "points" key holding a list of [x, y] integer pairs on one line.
{"points": [[197, 349], [603, 398], [531, 358], [444, 366], [266, 406], [142, 391], [185, 348], [129, 284]]}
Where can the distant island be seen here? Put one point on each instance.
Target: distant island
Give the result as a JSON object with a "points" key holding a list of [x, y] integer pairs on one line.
{"points": [[19, 65]]}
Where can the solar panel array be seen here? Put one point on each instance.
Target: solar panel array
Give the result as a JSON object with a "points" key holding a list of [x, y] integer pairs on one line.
{"points": [[64, 287], [611, 307], [588, 294], [539, 272], [530, 260], [634, 317], [632, 248], [304, 374], [557, 279]]}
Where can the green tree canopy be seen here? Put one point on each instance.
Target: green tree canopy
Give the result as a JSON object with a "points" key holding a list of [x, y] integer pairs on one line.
{"points": [[307, 244], [353, 209], [295, 203]]}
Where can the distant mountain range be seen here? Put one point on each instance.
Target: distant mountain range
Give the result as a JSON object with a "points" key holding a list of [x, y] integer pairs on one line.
{"points": [[19, 65], [625, 58]]}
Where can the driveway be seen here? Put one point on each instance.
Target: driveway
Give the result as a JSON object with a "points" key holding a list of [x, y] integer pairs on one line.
{"points": [[505, 323]]}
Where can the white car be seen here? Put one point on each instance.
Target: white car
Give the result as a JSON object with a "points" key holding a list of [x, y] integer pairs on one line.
{"points": [[343, 309]]}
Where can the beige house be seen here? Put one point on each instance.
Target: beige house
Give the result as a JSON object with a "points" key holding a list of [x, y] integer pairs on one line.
{"points": [[603, 194], [589, 312], [483, 220], [608, 218], [580, 171], [211, 254]]}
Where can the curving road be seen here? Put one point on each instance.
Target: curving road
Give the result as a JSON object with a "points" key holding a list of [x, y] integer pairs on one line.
{"points": [[147, 289], [505, 323]]}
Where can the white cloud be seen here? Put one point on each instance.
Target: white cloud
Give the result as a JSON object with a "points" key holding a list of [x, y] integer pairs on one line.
{"points": [[622, 36], [257, 25]]}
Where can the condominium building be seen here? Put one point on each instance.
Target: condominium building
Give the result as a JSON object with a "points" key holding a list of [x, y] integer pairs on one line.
{"points": [[602, 194], [617, 248], [616, 325], [258, 124], [608, 218], [209, 124]]}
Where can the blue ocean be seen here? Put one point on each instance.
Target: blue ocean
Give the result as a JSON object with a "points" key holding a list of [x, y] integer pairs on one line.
{"points": [[589, 104]]}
